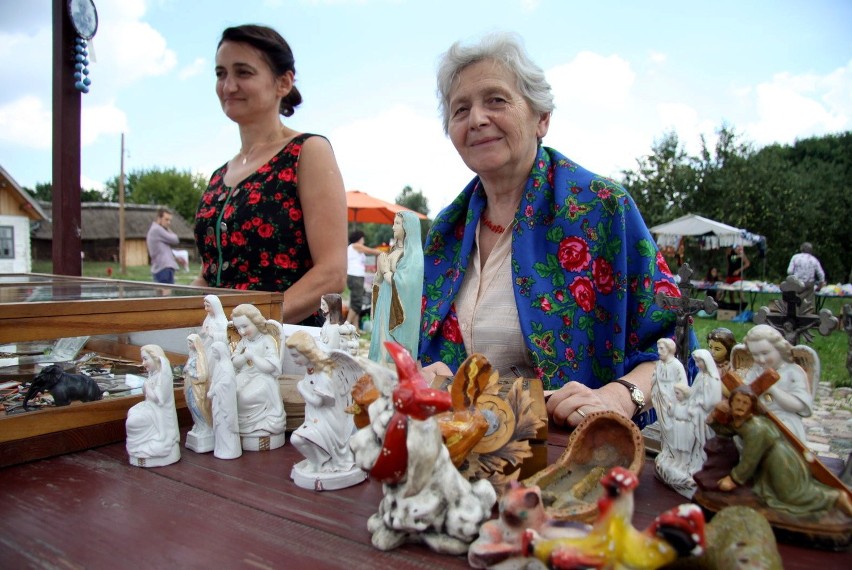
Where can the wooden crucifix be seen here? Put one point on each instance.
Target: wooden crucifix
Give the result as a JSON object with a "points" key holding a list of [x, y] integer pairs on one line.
{"points": [[793, 315], [684, 307]]}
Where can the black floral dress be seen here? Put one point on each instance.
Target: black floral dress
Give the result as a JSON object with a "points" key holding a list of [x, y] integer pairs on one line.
{"points": [[253, 236]]}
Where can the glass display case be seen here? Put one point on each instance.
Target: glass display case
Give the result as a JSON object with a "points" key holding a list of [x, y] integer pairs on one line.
{"points": [[118, 317]]}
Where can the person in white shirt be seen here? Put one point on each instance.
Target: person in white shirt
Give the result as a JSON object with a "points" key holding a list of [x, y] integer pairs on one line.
{"points": [[805, 267], [356, 268]]}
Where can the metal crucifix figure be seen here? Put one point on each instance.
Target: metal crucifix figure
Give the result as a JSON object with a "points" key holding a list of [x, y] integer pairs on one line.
{"points": [[793, 315], [684, 307]]}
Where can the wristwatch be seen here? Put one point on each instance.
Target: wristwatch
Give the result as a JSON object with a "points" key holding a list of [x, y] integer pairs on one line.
{"points": [[637, 396]]}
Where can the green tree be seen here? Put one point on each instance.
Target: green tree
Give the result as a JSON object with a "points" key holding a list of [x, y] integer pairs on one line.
{"points": [[44, 192], [179, 190]]}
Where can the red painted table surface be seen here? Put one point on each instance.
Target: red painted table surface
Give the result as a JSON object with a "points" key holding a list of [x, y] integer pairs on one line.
{"points": [[93, 510]]}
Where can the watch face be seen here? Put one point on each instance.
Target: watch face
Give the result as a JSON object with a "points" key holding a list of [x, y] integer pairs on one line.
{"points": [[638, 397], [84, 17]]}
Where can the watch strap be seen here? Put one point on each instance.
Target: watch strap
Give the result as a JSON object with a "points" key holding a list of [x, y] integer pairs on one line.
{"points": [[630, 388]]}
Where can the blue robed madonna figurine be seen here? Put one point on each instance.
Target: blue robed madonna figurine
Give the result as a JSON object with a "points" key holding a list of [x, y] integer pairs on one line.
{"points": [[542, 266], [397, 289]]}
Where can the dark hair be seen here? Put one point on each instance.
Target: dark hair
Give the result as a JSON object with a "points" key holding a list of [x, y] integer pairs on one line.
{"points": [[275, 50], [355, 235], [335, 307], [723, 336], [162, 211]]}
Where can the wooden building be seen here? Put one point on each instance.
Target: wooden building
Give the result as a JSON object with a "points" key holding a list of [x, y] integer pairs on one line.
{"points": [[100, 233], [18, 213]]}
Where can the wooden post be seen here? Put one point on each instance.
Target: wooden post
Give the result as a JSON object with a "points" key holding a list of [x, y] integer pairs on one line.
{"points": [[67, 226]]}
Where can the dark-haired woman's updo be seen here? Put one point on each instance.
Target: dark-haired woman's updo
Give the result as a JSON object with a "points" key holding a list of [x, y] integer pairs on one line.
{"points": [[276, 51]]}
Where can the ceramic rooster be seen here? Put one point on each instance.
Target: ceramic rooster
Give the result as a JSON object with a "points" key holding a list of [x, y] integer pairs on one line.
{"points": [[613, 542]]}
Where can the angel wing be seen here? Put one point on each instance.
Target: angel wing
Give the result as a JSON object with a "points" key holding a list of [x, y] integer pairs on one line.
{"points": [[741, 359], [233, 336], [808, 359], [345, 371]]}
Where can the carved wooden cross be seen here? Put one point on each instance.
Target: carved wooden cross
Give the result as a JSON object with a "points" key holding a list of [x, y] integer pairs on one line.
{"points": [[684, 307], [793, 315]]}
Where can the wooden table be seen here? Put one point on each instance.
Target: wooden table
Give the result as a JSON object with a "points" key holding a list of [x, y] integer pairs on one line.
{"points": [[92, 510]]}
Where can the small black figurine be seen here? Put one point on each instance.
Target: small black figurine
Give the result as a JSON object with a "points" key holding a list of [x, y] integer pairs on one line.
{"points": [[63, 386]]}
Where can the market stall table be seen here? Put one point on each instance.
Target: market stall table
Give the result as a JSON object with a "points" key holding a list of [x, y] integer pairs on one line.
{"points": [[91, 509]]}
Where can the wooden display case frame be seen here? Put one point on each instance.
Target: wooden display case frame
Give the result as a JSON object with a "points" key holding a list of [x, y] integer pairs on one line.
{"points": [[108, 320]]}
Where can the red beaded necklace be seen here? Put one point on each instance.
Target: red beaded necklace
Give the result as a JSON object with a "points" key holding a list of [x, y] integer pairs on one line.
{"points": [[496, 228]]}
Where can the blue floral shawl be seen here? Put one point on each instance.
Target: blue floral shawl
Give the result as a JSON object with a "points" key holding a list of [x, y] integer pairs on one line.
{"points": [[585, 271]]}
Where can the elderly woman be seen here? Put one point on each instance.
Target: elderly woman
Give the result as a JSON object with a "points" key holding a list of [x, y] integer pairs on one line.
{"points": [[541, 265]]}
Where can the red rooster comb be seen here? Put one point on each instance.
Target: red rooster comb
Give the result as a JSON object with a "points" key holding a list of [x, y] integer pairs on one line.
{"points": [[412, 396]]}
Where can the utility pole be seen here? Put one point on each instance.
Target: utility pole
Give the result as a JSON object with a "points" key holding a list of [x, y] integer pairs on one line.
{"points": [[122, 256]]}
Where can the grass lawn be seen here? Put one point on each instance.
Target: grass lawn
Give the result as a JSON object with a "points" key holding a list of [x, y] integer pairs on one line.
{"points": [[832, 349]]}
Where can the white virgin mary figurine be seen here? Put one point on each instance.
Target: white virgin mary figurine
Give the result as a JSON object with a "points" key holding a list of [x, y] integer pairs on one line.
{"points": [[257, 362], [215, 325], [705, 394], [153, 438], [223, 396], [196, 384], [324, 436]]}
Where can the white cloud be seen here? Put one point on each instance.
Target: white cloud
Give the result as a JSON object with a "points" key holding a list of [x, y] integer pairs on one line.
{"points": [[100, 120], [197, 67], [402, 148], [26, 122], [592, 81]]}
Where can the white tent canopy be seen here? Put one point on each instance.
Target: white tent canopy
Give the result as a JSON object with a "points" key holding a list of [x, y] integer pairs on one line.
{"points": [[714, 234]]}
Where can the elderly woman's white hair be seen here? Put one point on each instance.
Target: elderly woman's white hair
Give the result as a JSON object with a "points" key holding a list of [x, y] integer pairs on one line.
{"points": [[506, 48]]}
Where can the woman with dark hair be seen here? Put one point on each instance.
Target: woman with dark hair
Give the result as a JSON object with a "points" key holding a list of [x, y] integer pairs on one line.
{"points": [[273, 218]]}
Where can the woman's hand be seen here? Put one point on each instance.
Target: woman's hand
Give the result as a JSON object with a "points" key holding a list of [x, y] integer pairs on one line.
{"points": [[435, 369], [569, 405]]}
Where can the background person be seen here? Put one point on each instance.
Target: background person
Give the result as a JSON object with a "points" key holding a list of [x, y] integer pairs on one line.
{"points": [[806, 267], [160, 240], [273, 218], [520, 266], [356, 268]]}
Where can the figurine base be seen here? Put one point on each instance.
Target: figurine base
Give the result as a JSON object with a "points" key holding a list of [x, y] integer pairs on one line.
{"points": [[199, 444], [172, 457], [262, 442], [306, 478]]}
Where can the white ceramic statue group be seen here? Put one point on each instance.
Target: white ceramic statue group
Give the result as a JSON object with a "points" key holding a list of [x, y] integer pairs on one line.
{"points": [[682, 411]]}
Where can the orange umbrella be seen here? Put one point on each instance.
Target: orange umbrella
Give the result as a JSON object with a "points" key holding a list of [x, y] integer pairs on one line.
{"points": [[365, 209]]}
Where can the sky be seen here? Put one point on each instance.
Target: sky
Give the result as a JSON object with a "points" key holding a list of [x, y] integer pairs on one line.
{"points": [[624, 73]]}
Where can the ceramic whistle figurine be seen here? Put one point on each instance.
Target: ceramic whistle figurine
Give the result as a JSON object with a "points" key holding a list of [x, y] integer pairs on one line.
{"points": [[223, 397], [397, 289], [324, 436], [153, 439], [196, 384], [425, 499], [257, 362], [720, 342]]}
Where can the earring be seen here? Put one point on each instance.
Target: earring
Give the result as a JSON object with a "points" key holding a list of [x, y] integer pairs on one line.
{"points": [[81, 70]]}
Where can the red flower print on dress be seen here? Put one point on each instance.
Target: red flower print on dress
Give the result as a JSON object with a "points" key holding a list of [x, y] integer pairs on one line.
{"points": [[229, 211], [282, 260], [450, 330], [286, 175], [545, 304], [666, 288], [254, 197], [265, 231], [238, 239], [569, 353], [602, 272], [295, 215], [256, 222], [573, 254], [583, 292], [662, 265]]}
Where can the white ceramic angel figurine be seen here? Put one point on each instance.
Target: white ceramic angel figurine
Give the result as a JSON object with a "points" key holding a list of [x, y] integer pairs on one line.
{"points": [[215, 325], [153, 438], [336, 333], [223, 395], [196, 383], [398, 289], [324, 437], [257, 362], [790, 397]]}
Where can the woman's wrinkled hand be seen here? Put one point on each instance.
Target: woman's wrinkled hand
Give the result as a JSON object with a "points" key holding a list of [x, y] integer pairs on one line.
{"points": [[570, 405], [435, 369]]}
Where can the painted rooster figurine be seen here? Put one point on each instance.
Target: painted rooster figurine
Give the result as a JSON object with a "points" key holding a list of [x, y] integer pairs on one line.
{"points": [[613, 542]]}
